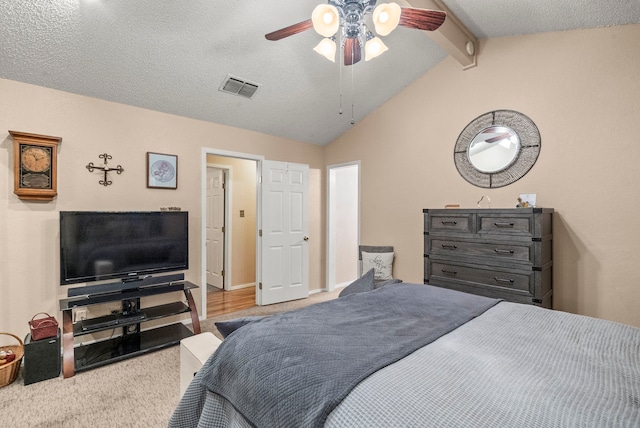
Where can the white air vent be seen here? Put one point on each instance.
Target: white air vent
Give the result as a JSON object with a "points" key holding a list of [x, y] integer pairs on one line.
{"points": [[241, 87]]}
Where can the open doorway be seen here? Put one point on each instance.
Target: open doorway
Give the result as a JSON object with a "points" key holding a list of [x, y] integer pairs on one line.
{"points": [[343, 224], [230, 233], [280, 261]]}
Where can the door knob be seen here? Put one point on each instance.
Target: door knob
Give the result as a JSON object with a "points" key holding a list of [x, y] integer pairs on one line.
{"points": [[306, 238]]}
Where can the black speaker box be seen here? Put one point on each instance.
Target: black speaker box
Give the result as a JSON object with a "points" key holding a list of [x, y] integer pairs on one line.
{"points": [[41, 359]]}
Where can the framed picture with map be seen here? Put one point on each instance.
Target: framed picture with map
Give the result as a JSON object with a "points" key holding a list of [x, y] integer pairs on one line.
{"points": [[162, 171]]}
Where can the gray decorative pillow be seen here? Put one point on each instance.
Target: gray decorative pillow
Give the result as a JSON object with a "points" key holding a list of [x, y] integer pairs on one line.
{"points": [[227, 327], [362, 284], [381, 262]]}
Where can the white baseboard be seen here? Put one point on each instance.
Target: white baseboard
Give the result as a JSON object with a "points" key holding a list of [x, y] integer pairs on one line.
{"points": [[322, 290], [344, 284], [240, 286]]}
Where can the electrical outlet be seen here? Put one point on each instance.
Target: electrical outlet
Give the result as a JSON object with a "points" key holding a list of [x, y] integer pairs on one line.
{"points": [[80, 315]]}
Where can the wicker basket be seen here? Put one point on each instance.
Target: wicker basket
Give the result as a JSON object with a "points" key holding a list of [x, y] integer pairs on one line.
{"points": [[9, 372]]}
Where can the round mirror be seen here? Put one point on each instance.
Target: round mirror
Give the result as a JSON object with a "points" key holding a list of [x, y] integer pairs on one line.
{"points": [[494, 149], [497, 148]]}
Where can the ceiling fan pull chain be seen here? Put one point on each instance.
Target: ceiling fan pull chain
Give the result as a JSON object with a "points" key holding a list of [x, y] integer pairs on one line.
{"points": [[340, 56], [353, 92]]}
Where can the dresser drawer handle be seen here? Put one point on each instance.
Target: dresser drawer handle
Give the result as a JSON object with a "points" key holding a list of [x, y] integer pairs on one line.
{"points": [[498, 224], [452, 272], [451, 222], [500, 251], [449, 246], [508, 281]]}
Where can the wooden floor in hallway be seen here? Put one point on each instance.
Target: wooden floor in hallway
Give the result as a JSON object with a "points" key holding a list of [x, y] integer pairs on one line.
{"points": [[221, 302]]}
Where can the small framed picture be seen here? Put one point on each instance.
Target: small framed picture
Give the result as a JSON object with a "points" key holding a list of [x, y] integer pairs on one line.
{"points": [[162, 171], [528, 200]]}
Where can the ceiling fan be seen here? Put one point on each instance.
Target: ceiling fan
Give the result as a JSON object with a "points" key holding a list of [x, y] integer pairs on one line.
{"points": [[349, 16]]}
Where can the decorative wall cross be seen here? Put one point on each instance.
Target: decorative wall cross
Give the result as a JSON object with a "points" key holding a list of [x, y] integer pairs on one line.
{"points": [[105, 168]]}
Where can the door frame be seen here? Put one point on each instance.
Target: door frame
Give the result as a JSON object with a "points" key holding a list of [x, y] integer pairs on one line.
{"points": [[330, 250], [227, 171], [203, 226]]}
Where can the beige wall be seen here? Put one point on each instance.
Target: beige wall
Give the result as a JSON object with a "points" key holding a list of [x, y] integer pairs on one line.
{"points": [[582, 89], [243, 229], [29, 259]]}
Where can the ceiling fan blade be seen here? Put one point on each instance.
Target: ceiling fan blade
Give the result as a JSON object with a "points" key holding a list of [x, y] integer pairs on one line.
{"points": [[290, 30], [352, 51], [421, 19]]}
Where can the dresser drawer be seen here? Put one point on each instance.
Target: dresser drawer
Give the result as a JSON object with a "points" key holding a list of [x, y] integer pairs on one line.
{"points": [[505, 225], [454, 222], [486, 251], [522, 282]]}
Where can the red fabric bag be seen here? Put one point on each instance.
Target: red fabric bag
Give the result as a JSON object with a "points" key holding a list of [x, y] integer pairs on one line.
{"points": [[43, 328]]}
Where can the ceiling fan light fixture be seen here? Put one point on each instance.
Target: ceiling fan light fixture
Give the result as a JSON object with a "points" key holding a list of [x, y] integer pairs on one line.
{"points": [[386, 17], [325, 19], [327, 48], [374, 48]]}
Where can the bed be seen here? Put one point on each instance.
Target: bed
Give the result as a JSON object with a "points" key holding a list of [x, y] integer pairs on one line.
{"points": [[414, 355]]}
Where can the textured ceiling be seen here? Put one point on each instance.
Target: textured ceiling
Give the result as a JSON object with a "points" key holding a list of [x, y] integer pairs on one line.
{"points": [[173, 55]]}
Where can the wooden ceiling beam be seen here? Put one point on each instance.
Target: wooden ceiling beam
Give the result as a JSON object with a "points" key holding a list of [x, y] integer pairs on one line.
{"points": [[452, 36]]}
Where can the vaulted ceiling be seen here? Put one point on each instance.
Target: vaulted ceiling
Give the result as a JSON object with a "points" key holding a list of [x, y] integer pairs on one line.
{"points": [[174, 55]]}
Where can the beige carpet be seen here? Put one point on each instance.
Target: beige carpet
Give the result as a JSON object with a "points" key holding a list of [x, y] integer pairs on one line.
{"points": [[138, 392]]}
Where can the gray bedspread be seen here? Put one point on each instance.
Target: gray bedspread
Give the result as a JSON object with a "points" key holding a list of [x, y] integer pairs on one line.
{"points": [[513, 366], [517, 366], [293, 369]]}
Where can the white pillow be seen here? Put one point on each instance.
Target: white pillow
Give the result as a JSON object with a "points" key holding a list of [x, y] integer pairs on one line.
{"points": [[382, 263]]}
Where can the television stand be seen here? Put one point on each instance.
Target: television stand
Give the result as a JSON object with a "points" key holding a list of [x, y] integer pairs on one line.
{"points": [[133, 341]]}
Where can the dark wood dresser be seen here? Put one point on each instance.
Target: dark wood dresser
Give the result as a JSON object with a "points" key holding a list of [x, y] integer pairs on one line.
{"points": [[501, 253]]}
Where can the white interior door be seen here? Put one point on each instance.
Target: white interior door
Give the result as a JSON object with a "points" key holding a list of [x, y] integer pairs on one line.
{"points": [[284, 244], [215, 227]]}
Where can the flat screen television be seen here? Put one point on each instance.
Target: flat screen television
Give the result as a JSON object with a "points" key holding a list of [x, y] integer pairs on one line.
{"points": [[96, 246]]}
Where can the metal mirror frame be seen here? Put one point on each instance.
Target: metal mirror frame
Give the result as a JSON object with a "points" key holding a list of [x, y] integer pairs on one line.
{"points": [[528, 154]]}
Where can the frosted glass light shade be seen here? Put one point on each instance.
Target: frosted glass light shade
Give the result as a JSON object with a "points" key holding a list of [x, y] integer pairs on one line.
{"points": [[374, 48], [327, 48], [386, 17], [325, 20]]}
